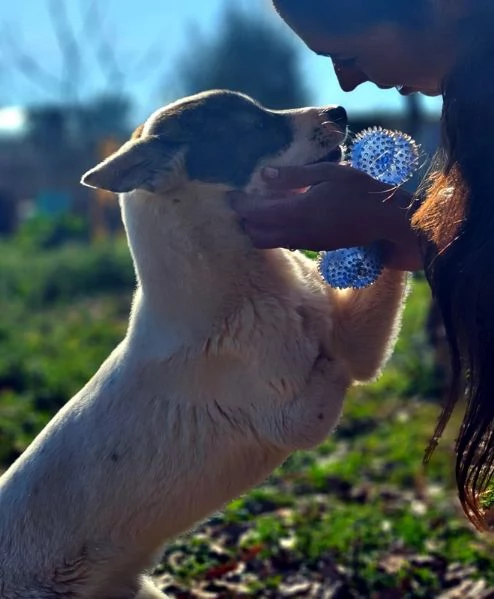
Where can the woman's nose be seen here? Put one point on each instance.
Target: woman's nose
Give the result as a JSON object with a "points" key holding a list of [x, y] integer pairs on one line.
{"points": [[349, 77]]}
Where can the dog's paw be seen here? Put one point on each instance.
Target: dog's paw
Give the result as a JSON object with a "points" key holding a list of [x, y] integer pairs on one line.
{"points": [[313, 415]]}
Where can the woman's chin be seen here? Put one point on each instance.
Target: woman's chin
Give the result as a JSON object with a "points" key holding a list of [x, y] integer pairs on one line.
{"points": [[406, 90]]}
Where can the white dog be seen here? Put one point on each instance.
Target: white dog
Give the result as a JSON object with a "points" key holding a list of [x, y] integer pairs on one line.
{"points": [[234, 358]]}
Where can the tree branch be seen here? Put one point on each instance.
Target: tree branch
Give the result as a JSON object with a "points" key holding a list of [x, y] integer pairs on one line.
{"points": [[28, 66]]}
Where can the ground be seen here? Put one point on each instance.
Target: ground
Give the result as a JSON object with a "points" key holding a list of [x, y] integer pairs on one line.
{"points": [[359, 517]]}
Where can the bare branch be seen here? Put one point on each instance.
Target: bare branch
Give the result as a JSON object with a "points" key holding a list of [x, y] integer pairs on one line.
{"points": [[69, 47], [103, 47], [146, 64], [28, 66], [94, 39], [92, 16]]}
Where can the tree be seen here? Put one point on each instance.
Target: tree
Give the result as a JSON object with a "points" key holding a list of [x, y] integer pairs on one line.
{"points": [[86, 47], [247, 54], [78, 121]]}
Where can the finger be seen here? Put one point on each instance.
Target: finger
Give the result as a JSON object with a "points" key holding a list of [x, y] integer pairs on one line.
{"points": [[242, 202], [407, 258], [251, 208], [298, 177], [263, 239], [272, 237], [262, 211]]}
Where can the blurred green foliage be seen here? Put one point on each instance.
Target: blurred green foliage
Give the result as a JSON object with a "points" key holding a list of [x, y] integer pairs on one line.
{"points": [[363, 495]]}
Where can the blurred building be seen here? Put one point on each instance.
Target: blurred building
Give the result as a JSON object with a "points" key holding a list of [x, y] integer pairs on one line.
{"points": [[41, 166]]}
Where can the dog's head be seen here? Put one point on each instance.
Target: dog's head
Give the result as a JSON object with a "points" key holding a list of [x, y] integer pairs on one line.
{"points": [[219, 137]]}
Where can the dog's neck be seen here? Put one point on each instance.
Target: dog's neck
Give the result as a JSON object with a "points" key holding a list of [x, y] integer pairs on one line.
{"points": [[191, 259]]}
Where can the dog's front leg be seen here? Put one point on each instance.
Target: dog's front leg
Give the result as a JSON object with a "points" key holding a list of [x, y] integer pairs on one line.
{"points": [[367, 322], [306, 420]]}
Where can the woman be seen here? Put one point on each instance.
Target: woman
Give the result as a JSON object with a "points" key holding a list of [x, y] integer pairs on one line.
{"points": [[437, 47]]}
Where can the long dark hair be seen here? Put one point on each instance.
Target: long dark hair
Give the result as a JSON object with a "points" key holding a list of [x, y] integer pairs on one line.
{"points": [[456, 219]]}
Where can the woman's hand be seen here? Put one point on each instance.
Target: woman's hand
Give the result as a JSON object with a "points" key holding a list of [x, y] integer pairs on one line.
{"points": [[343, 207]]}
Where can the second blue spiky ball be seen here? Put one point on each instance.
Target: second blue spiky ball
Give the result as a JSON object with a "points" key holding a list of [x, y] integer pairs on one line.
{"points": [[390, 157]]}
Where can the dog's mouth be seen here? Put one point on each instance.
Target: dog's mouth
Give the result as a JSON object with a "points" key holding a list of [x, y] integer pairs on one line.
{"points": [[335, 155]]}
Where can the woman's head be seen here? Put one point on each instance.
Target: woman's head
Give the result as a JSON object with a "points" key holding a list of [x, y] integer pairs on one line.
{"points": [[446, 46], [407, 44]]}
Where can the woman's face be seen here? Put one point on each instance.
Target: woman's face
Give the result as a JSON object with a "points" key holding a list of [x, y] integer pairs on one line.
{"points": [[389, 55]]}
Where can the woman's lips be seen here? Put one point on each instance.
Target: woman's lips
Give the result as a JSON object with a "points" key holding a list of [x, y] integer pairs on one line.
{"points": [[404, 90]]}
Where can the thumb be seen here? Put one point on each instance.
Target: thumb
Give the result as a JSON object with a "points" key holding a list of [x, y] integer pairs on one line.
{"points": [[299, 177], [262, 211], [245, 204]]}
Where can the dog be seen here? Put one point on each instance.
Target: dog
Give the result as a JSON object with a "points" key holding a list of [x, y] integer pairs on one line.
{"points": [[234, 357]]}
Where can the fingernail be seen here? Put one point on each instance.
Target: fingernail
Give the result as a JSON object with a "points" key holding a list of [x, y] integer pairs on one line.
{"points": [[271, 173]]}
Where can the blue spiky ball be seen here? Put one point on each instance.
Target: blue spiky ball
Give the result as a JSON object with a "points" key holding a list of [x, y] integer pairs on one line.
{"points": [[390, 157], [360, 266]]}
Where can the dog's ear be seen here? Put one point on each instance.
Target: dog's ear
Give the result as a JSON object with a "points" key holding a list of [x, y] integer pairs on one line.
{"points": [[137, 132], [141, 163]]}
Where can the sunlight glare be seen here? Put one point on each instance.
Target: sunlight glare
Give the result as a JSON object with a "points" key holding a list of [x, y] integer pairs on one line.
{"points": [[12, 119]]}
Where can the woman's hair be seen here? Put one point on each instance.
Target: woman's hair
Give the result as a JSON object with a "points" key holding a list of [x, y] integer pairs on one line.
{"points": [[351, 16], [456, 218]]}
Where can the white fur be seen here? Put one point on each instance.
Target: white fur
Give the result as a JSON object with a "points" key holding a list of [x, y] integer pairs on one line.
{"points": [[233, 358]]}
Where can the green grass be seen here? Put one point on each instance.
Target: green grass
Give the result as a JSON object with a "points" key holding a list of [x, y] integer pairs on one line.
{"points": [[361, 511], [63, 310]]}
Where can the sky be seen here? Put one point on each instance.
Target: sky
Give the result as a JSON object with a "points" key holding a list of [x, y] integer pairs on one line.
{"points": [[161, 27]]}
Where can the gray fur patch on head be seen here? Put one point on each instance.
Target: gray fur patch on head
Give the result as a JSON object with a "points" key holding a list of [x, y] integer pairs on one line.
{"points": [[226, 134]]}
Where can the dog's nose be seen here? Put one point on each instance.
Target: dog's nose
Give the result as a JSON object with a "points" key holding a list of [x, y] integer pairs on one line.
{"points": [[337, 115]]}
